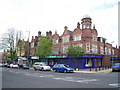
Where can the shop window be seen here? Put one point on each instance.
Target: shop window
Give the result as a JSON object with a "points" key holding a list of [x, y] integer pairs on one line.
{"points": [[88, 62], [97, 62]]}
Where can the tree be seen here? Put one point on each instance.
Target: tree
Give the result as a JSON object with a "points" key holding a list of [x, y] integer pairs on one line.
{"points": [[9, 41], [75, 52], [21, 45], [44, 47]]}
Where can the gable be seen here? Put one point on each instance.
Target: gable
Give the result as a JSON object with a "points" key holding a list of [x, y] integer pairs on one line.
{"points": [[66, 33]]}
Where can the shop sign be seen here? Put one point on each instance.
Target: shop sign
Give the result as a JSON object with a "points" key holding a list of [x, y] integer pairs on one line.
{"points": [[34, 57]]}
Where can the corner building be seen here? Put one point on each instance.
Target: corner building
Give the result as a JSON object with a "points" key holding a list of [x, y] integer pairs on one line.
{"points": [[98, 53]]}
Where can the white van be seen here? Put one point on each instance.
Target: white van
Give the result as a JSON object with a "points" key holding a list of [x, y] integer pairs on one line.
{"points": [[41, 66]]}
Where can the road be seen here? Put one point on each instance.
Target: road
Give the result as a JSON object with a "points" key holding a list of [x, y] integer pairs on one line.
{"points": [[22, 78]]}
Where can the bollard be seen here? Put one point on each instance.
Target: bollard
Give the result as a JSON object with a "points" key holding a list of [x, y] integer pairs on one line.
{"points": [[95, 69], [90, 68], [102, 68], [99, 68], [105, 67]]}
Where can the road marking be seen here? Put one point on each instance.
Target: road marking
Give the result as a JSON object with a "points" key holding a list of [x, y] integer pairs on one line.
{"points": [[72, 79], [41, 76], [14, 72], [33, 75], [115, 84]]}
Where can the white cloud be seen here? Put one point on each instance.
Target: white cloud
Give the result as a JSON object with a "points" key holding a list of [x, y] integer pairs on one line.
{"points": [[45, 15]]}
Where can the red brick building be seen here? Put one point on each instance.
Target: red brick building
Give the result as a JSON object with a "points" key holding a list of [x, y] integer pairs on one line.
{"points": [[97, 51], [34, 42], [87, 38]]}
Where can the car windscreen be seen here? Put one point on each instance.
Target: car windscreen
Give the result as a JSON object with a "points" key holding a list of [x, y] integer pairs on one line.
{"points": [[117, 64], [36, 64], [66, 65]]}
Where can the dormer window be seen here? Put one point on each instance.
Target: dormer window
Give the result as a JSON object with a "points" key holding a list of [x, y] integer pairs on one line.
{"points": [[55, 41], [77, 37]]}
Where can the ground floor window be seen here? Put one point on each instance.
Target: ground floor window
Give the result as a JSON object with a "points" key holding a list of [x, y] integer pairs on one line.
{"points": [[88, 62]]}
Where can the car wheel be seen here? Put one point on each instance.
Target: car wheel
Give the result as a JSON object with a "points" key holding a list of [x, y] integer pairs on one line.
{"points": [[112, 70], [54, 70], [41, 69], [35, 68], [65, 71]]}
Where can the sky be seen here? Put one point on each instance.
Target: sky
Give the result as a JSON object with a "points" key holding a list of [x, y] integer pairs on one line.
{"points": [[46, 15]]}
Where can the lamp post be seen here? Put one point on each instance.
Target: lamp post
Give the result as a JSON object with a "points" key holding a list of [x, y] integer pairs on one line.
{"points": [[112, 53], [28, 48], [28, 35]]}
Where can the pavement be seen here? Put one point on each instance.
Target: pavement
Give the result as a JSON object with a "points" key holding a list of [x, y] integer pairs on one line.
{"points": [[88, 70], [93, 71]]}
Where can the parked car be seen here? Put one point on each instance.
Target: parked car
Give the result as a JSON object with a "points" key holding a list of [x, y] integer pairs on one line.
{"points": [[41, 66], [5, 65], [24, 66], [14, 66], [8, 65], [116, 67], [1, 65], [62, 68]]}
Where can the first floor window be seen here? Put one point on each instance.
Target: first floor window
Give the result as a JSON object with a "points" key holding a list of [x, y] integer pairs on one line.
{"points": [[65, 39], [113, 52], [87, 47], [55, 50], [32, 44], [105, 50], [101, 50], [94, 48], [64, 49], [109, 51]]}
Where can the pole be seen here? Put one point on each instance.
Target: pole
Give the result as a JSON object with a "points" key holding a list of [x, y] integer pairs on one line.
{"points": [[112, 54], [28, 48]]}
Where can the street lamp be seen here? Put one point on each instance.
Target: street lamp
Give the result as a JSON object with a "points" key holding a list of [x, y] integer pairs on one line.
{"points": [[112, 52], [28, 48], [28, 35]]}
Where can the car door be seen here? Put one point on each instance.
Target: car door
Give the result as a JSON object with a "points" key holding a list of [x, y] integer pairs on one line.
{"points": [[37, 66], [40, 66], [60, 68]]}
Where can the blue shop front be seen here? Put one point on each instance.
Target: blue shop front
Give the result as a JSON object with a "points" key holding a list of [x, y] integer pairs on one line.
{"points": [[82, 62]]}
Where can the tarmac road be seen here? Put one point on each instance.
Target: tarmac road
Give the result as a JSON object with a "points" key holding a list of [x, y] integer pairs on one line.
{"points": [[22, 78]]}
